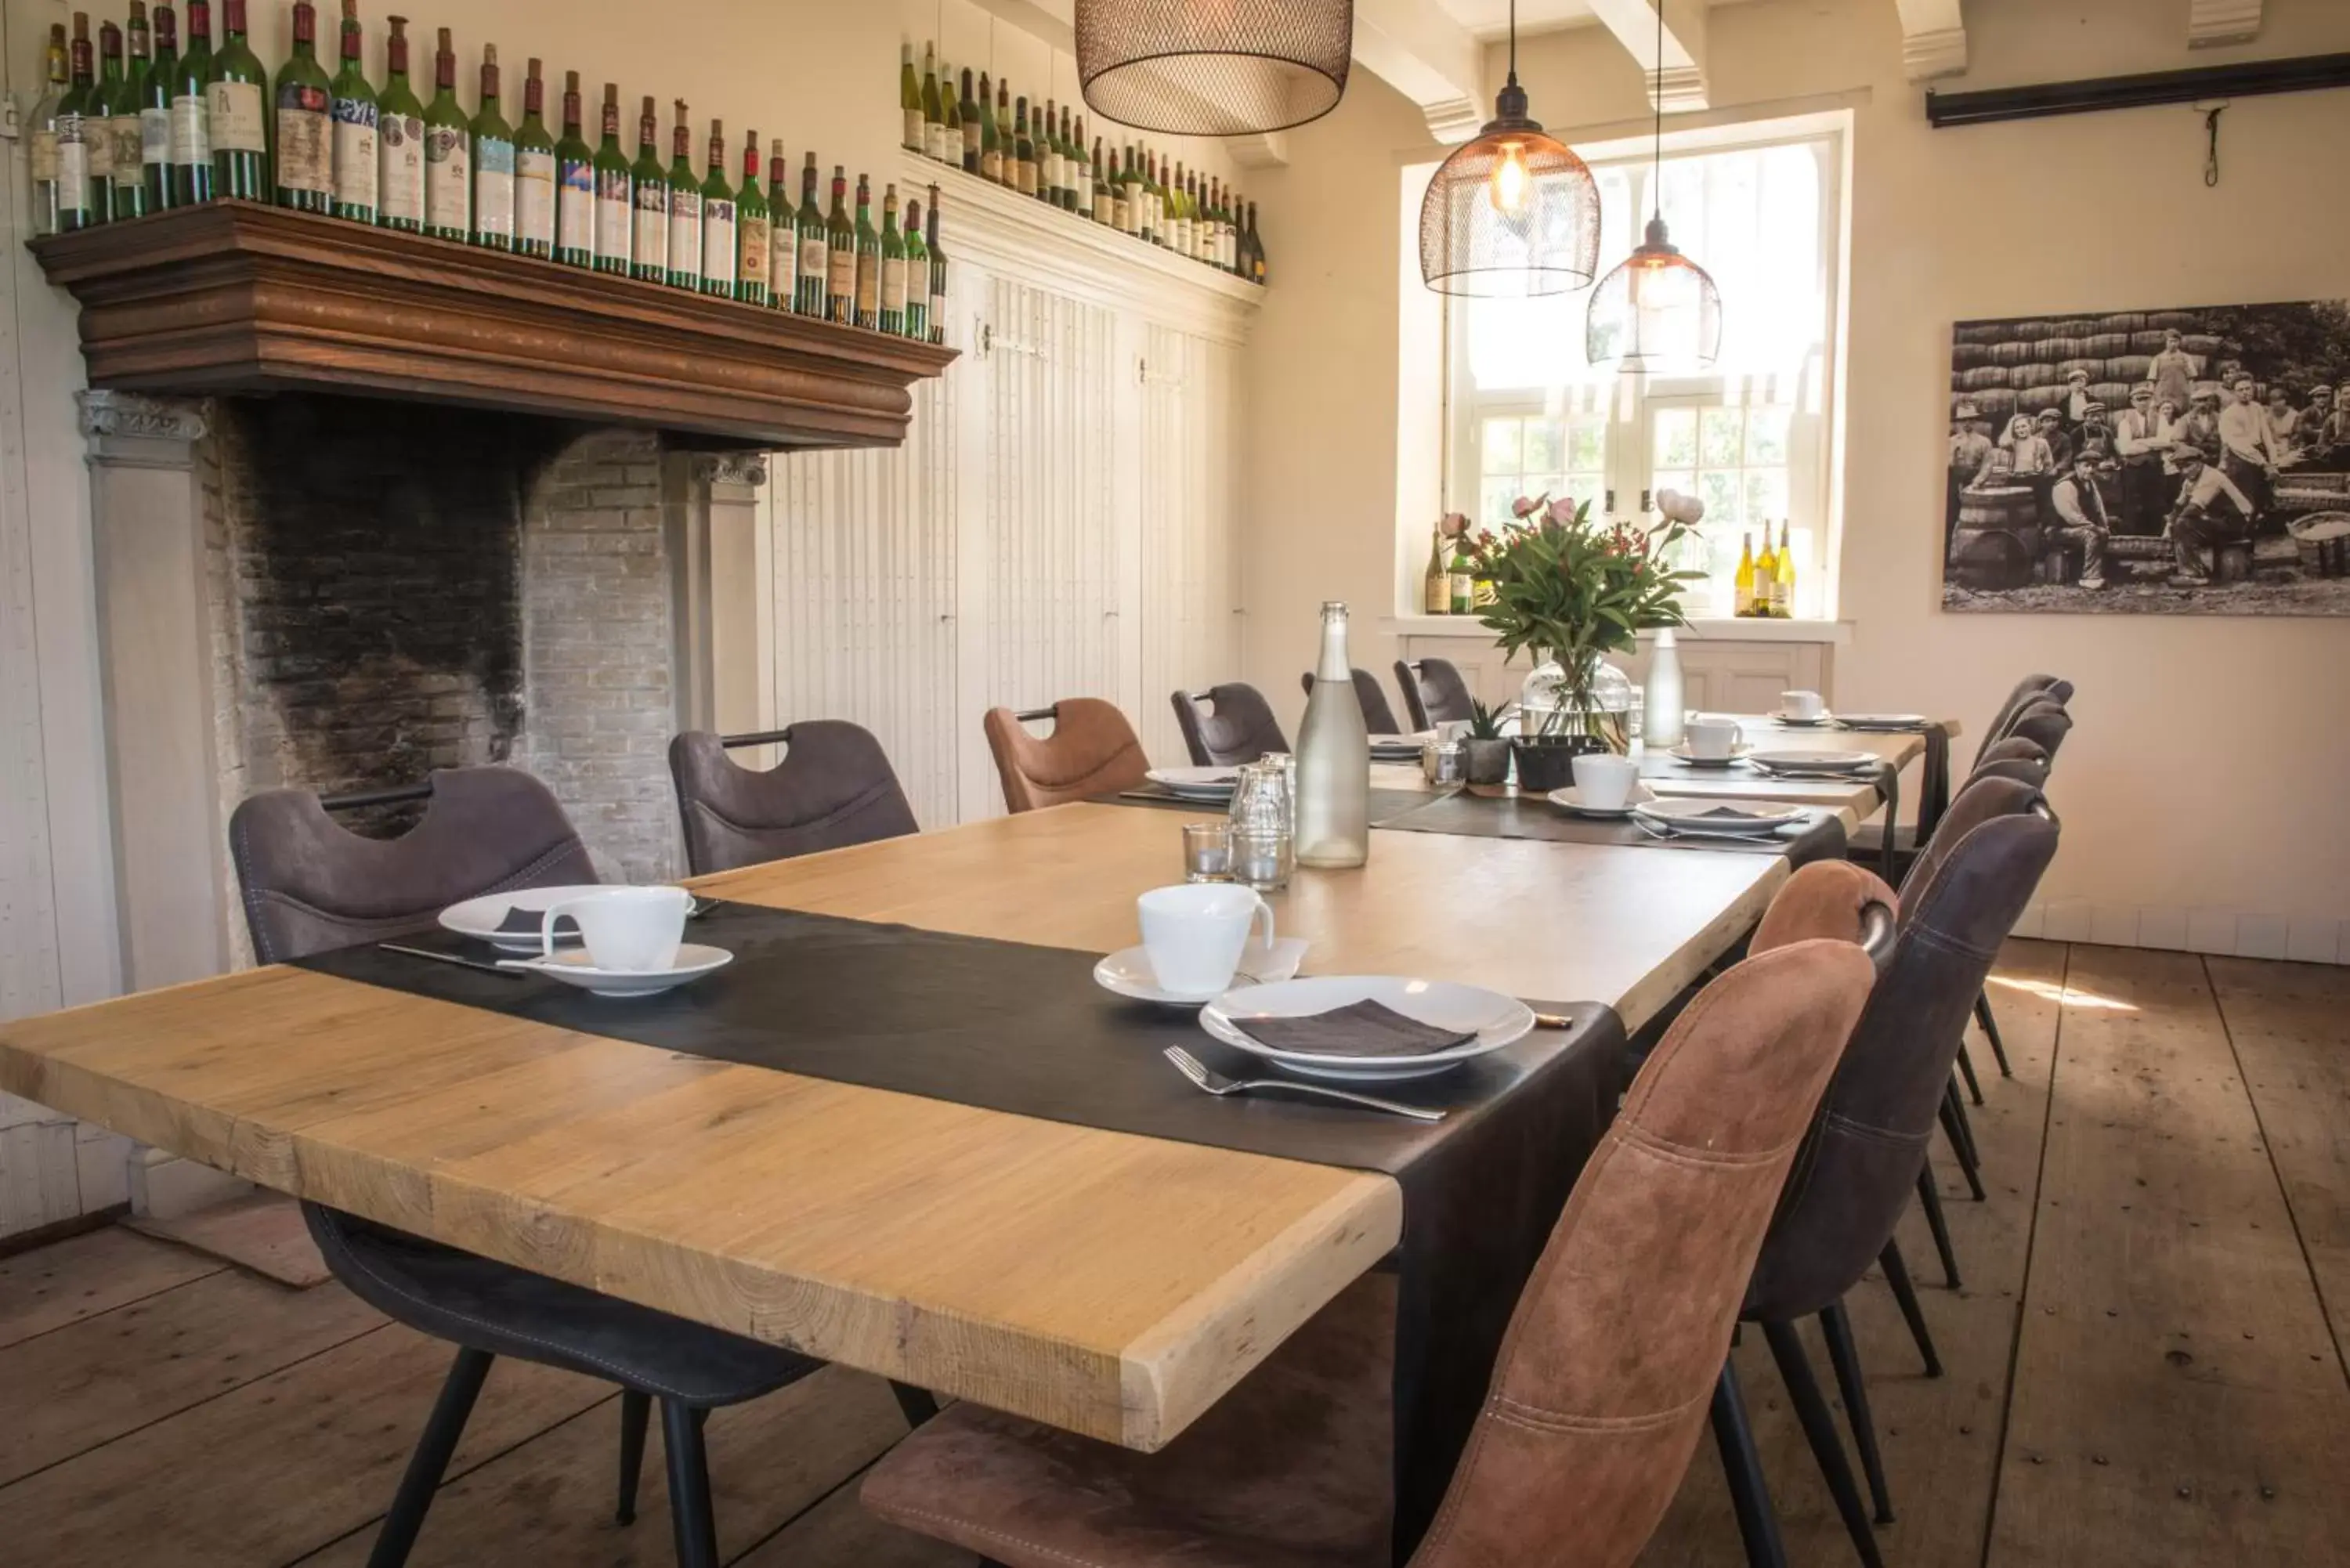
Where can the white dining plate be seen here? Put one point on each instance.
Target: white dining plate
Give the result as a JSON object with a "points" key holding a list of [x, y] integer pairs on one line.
{"points": [[1129, 971], [480, 917], [1882, 720], [1738, 754], [1498, 1020], [1573, 801], [1736, 816], [571, 967], [1819, 761], [1199, 783], [1397, 748]]}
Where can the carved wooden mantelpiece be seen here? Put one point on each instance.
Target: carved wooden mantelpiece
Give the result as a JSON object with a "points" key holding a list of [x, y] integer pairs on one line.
{"points": [[234, 297]]}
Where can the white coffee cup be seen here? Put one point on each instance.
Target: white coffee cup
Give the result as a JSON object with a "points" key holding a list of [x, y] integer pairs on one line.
{"points": [[1603, 781], [1803, 704], [1711, 739], [1193, 934], [628, 931]]}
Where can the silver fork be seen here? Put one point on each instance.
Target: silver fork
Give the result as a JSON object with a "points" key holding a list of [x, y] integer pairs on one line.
{"points": [[1215, 1083]]}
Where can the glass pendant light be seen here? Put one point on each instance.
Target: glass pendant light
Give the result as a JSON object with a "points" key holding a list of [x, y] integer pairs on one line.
{"points": [[1213, 68], [1658, 312], [1513, 212]]}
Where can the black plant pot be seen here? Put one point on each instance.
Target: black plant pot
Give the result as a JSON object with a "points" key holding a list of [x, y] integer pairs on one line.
{"points": [[1546, 762]]}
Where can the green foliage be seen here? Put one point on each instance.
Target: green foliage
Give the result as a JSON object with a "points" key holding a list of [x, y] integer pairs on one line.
{"points": [[1484, 723], [1569, 591]]}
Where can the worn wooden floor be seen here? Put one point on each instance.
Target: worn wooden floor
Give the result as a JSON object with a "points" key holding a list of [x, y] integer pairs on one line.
{"points": [[2145, 1365]]}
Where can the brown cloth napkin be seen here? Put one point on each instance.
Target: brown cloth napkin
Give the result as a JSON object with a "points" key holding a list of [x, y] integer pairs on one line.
{"points": [[1363, 1028]]}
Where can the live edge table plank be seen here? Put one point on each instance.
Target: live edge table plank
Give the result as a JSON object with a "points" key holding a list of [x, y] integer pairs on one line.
{"points": [[1107, 1283]]}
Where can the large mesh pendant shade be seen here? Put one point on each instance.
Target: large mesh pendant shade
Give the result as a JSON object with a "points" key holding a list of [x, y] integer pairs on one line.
{"points": [[1213, 68], [1512, 213], [1658, 313]]}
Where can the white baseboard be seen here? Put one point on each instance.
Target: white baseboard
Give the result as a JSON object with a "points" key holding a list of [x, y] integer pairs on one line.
{"points": [[2230, 932]]}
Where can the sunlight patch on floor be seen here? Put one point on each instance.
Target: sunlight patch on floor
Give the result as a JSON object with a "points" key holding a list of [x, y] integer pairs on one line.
{"points": [[2062, 995]]}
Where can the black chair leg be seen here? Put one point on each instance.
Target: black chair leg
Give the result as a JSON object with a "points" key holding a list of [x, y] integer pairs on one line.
{"points": [[1930, 1198], [1905, 1293], [1845, 1358], [636, 1414], [1962, 1139], [1819, 1427], [1991, 1033], [429, 1462], [918, 1405], [1758, 1524], [690, 1516], [1967, 1071]]}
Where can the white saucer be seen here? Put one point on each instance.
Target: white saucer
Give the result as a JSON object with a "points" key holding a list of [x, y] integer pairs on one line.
{"points": [[1499, 1020], [1128, 972], [480, 917], [1570, 799], [1814, 723], [572, 968], [1738, 754], [1196, 783]]}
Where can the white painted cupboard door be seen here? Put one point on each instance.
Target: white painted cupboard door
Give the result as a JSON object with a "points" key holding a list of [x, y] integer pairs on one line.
{"points": [[1189, 591]]}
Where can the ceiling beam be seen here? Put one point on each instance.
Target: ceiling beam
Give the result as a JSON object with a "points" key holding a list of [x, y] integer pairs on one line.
{"points": [[1677, 79], [1933, 39], [1420, 51], [2211, 22]]}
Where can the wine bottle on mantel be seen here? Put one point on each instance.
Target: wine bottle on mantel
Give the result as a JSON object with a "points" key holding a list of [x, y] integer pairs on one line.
{"points": [[616, 198], [57, 72], [1007, 163], [684, 206], [991, 143], [399, 140], [910, 100], [783, 232], [575, 183], [967, 110], [534, 173], [937, 320], [649, 249], [73, 134], [192, 140], [751, 226], [1333, 759], [357, 116], [236, 103], [890, 315], [868, 259], [448, 152], [494, 163], [840, 254], [934, 113], [809, 289], [98, 122], [1023, 150], [126, 129], [918, 276], [718, 260]]}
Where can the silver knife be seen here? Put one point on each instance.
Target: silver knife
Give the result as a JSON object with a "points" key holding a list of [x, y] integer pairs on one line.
{"points": [[447, 958]]}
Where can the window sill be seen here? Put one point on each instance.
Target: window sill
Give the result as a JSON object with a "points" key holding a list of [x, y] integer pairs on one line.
{"points": [[1833, 633]]}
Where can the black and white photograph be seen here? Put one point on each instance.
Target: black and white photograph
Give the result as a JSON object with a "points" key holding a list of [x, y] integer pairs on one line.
{"points": [[2189, 462]]}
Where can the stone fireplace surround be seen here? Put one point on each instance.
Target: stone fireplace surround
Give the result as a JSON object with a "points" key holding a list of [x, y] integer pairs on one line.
{"points": [[343, 594]]}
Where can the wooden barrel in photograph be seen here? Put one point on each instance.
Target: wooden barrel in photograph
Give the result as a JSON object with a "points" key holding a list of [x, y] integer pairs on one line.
{"points": [[2129, 367], [2031, 399], [2035, 375], [2092, 368], [2173, 321], [2030, 327], [2105, 345], [1968, 356], [2149, 343], [1992, 558], [2011, 353], [2123, 321], [2202, 344], [1994, 403], [1998, 507], [2323, 541]]}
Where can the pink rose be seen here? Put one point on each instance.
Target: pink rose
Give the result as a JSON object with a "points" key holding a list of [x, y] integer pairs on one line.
{"points": [[1453, 524], [1562, 512], [1526, 506]]}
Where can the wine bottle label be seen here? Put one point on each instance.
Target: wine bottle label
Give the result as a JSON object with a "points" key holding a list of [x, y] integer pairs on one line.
{"points": [[718, 259], [816, 258], [893, 285], [154, 136], [970, 139], [934, 139], [575, 206], [938, 320], [191, 134], [73, 169], [400, 164], [840, 274], [1024, 173], [991, 167], [494, 186], [651, 248], [358, 171], [127, 147], [782, 259], [1104, 209], [869, 289], [756, 254], [913, 136], [1120, 214], [448, 178], [535, 196], [96, 136], [43, 157], [685, 232], [614, 209], [233, 110]]}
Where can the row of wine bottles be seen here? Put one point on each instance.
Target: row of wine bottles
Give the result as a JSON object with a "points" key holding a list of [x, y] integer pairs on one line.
{"points": [[122, 138], [991, 133], [1763, 586]]}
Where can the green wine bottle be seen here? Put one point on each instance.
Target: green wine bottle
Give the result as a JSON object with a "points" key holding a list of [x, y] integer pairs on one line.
{"points": [[891, 315], [868, 259], [192, 116], [648, 247], [809, 285], [721, 265], [73, 125], [969, 123], [751, 227], [990, 144], [534, 189], [98, 115], [840, 255], [155, 112], [936, 316], [42, 156], [359, 117], [448, 151], [126, 136], [1023, 150], [304, 126], [918, 276], [399, 139], [236, 101], [783, 233], [684, 269], [616, 196], [494, 163], [575, 185], [910, 100]]}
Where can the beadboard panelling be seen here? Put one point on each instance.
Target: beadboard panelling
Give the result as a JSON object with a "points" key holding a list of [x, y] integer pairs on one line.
{"points": [[1190, 631]]}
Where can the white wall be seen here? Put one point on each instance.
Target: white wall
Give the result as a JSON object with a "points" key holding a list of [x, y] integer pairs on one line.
{"points": [[2088, 213]]}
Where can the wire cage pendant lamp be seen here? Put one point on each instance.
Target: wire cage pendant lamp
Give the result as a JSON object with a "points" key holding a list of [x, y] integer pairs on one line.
{"points": [[1213, 68], [1657, 312], [1513, 212]]}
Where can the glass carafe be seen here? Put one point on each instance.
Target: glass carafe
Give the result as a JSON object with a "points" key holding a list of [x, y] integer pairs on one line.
{"points": [[1333, 759]]}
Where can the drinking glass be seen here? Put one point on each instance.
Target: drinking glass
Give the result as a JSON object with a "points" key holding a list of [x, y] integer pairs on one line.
{"points": [[1207, 852], [1264, 822]]}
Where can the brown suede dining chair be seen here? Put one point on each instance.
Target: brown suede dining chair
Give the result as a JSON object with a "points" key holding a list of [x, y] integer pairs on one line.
{"points": [[1433, 692], [1092, 750], [1614, 1353], [1378, 716], [310, 885], [1237, 725], [834, 788]]}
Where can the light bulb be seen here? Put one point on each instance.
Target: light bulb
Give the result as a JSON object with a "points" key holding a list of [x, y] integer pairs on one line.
{"points": [[1510, 180]]}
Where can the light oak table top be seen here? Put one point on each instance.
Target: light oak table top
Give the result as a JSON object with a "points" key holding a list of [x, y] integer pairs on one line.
{"points": [[1108, 1283]]}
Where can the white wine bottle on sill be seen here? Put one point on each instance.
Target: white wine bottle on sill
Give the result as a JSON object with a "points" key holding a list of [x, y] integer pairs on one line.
{"points": [[1333, 759]]}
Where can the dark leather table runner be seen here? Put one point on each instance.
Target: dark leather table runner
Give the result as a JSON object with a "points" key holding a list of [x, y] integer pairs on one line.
{"points": [[1384, 802], [1021, 1029], [1520, 816]]}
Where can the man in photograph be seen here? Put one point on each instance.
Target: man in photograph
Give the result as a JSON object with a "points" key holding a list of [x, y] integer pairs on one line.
{"points": [[2318, 443], [2139, 444], [1970, 450], [2078, 516], [2173, 372], [2075, 406], [2060, 445], [2248, 447], [2210, 510]]}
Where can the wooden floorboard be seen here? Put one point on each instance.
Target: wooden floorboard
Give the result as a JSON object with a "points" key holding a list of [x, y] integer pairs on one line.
{"points": [[838, 1531], [70, 1279], [2178, 1397]]}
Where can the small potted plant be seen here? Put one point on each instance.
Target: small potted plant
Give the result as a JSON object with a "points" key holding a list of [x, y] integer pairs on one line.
{"points": [[1567, 593], [1485, 751]]}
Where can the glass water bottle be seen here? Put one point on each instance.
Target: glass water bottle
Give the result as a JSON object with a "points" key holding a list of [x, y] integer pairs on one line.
{"points": [[1333, 759]]}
